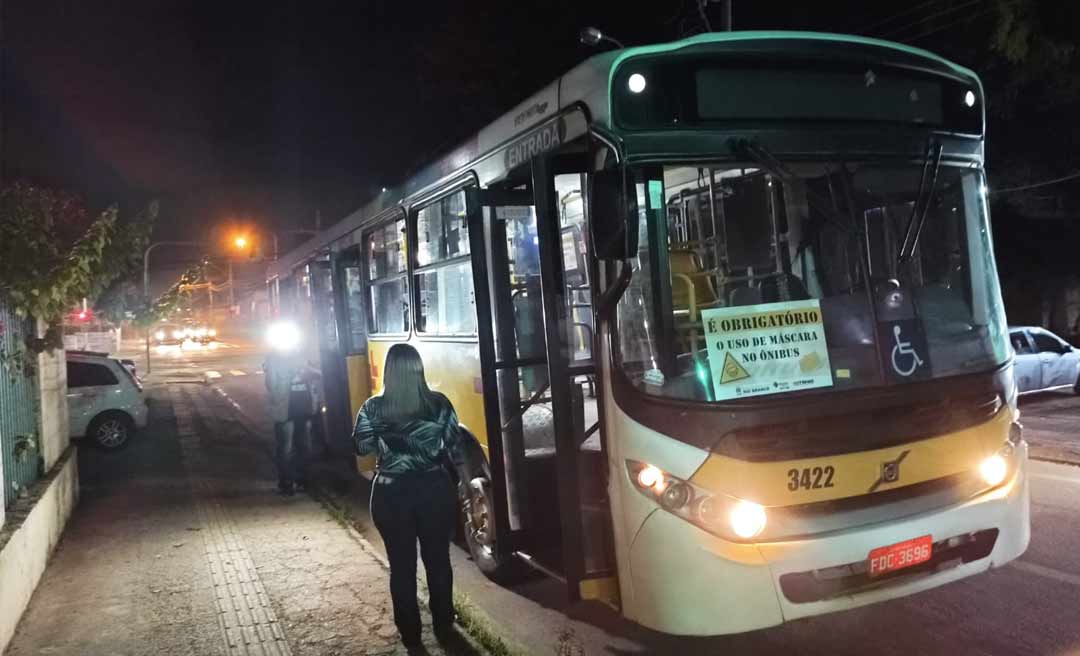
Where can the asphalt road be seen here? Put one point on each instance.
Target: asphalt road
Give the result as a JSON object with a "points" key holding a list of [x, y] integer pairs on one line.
{"points": [[1031, 606]]}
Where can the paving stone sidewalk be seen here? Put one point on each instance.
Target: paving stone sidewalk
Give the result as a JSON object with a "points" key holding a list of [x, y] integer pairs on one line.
{"points": [[181, 546]]}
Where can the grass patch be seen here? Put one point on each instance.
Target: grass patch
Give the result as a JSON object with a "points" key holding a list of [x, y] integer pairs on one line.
{"points": [[474, 624]]}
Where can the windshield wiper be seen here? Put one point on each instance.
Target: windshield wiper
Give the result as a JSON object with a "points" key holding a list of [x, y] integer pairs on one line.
{"points": [[918, 216]]}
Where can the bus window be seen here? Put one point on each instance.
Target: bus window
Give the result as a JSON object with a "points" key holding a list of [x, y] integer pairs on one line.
{"points": [[388, 286], [442, 230], [447, 303], [444, 283]]}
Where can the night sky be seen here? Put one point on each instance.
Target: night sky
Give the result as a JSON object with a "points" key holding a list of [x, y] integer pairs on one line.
{"points": [[265, 113]]}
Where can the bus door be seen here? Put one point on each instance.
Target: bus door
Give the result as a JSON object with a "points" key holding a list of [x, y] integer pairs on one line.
{"points": [[352, 334], [536, 348], [333, 429]]}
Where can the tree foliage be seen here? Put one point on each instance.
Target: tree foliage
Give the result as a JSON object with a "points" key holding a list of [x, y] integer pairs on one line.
{"points": [[174, 299], [52, 254]]}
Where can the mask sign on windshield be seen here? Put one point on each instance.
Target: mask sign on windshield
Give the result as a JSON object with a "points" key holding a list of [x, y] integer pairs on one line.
{"points": [[766, 349], [903, 350]]}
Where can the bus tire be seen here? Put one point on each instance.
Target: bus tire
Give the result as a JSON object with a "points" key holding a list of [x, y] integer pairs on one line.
{"points": [[478, 518]]}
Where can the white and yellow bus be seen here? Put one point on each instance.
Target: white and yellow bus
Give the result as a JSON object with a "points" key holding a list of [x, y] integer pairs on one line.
{"points": [[722, 320]]}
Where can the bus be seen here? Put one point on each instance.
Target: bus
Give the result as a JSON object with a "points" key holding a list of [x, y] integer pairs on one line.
{"points": [[722, 323]]}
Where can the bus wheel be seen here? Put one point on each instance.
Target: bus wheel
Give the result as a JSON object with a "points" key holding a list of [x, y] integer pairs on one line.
{"points": [[478, 523]]}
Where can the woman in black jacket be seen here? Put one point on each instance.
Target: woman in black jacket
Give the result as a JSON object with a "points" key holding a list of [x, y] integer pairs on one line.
{"points": [[414, 433]]}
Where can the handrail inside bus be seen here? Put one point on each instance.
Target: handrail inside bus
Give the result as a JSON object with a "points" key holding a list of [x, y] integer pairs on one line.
{"points": [[533, 400]]}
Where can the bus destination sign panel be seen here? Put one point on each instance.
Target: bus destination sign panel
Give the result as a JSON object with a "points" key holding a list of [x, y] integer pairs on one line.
{"points": [[755, 350]]}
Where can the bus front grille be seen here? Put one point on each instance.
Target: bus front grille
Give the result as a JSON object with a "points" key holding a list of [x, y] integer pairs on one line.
{"points": [[853, 578], [858, 431]]}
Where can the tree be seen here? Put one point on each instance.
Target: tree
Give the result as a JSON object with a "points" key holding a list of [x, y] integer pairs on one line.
{"points": [[52, 255]]}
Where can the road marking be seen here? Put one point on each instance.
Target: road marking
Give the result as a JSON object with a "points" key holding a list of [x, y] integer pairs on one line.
{"points": [[1046, 572], [213, 375], [1052, 477], [237, 372]]}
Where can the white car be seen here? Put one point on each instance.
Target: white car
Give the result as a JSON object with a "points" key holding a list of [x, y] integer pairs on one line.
{"points": [[105, 399], [1044, 361]]}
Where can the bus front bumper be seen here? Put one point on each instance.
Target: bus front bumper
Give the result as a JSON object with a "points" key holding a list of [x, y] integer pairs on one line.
{"points": [[686, 581]]}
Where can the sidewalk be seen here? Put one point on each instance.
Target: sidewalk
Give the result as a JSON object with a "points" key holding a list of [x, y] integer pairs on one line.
{"points": [[182, 546]]}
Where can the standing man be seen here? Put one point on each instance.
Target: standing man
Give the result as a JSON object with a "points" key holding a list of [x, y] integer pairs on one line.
{"points": [[289, 382]]}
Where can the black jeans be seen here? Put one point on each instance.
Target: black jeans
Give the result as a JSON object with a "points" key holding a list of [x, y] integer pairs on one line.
{"points": [[291, 452], [407, 507]]}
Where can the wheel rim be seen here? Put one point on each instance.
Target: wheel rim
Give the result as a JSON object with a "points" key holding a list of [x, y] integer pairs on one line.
{"points": [[111, 433], [478, 516]]}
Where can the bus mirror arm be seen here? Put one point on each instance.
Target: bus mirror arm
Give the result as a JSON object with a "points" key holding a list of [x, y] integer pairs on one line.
{"points": [[605, 305]]}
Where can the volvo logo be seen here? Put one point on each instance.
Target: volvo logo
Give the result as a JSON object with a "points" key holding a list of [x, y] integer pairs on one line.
{"points": [[890, 471]]}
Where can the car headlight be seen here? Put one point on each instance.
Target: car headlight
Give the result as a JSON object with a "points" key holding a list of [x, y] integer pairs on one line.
{"points": [[212, 332], [159, 335], [178, 334], [201, 332], [719, 514]]}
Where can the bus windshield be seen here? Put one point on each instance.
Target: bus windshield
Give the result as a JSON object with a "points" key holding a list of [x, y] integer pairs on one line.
{"points": [[749, 283]]}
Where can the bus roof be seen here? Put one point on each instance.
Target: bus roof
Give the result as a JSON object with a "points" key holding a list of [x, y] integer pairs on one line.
{"points": [[586, 85]]}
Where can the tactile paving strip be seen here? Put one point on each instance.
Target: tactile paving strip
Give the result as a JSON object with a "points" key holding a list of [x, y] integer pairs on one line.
{"points": [[248, 623]]}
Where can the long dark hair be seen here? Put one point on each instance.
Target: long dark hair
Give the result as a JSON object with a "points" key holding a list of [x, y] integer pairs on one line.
{"points": [[406, 394]]}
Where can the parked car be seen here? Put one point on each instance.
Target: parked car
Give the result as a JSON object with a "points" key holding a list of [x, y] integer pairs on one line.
{"points": [[105, 399], [1044, 361]]}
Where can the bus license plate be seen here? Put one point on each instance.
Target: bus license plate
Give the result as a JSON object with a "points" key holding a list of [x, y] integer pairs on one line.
{"points": [[900, 555]]}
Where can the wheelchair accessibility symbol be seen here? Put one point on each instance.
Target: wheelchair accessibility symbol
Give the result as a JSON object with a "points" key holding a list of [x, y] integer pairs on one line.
{"points": [[905, 359]]}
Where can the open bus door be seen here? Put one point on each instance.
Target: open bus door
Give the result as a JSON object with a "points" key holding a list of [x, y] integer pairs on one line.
{"points": [[536, 342], [332, 426]]}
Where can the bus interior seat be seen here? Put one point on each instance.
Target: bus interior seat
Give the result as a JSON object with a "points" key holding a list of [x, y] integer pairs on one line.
{"points": [[694, 290]]}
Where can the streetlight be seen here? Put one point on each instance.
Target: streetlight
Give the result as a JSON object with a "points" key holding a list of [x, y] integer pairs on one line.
{"points": [[241, 244]]}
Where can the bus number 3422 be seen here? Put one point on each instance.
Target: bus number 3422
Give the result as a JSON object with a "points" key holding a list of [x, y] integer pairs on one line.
{"points": [[810, 478]]}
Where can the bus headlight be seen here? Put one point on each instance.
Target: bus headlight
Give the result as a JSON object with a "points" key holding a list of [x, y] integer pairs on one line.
{"points": [[994, 469], [747, 519], [649, 476], [719, 514]]}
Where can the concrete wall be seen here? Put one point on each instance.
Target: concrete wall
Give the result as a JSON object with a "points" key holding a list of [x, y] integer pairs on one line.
{"points": [[28, 538], [52, 381], [33, 525]]}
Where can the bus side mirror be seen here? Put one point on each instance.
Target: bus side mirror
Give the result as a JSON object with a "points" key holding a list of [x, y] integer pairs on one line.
{"points": [[613, 215]]}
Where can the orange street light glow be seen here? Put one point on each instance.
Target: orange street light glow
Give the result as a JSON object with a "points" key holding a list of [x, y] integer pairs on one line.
{"points": [[241, 242]]}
